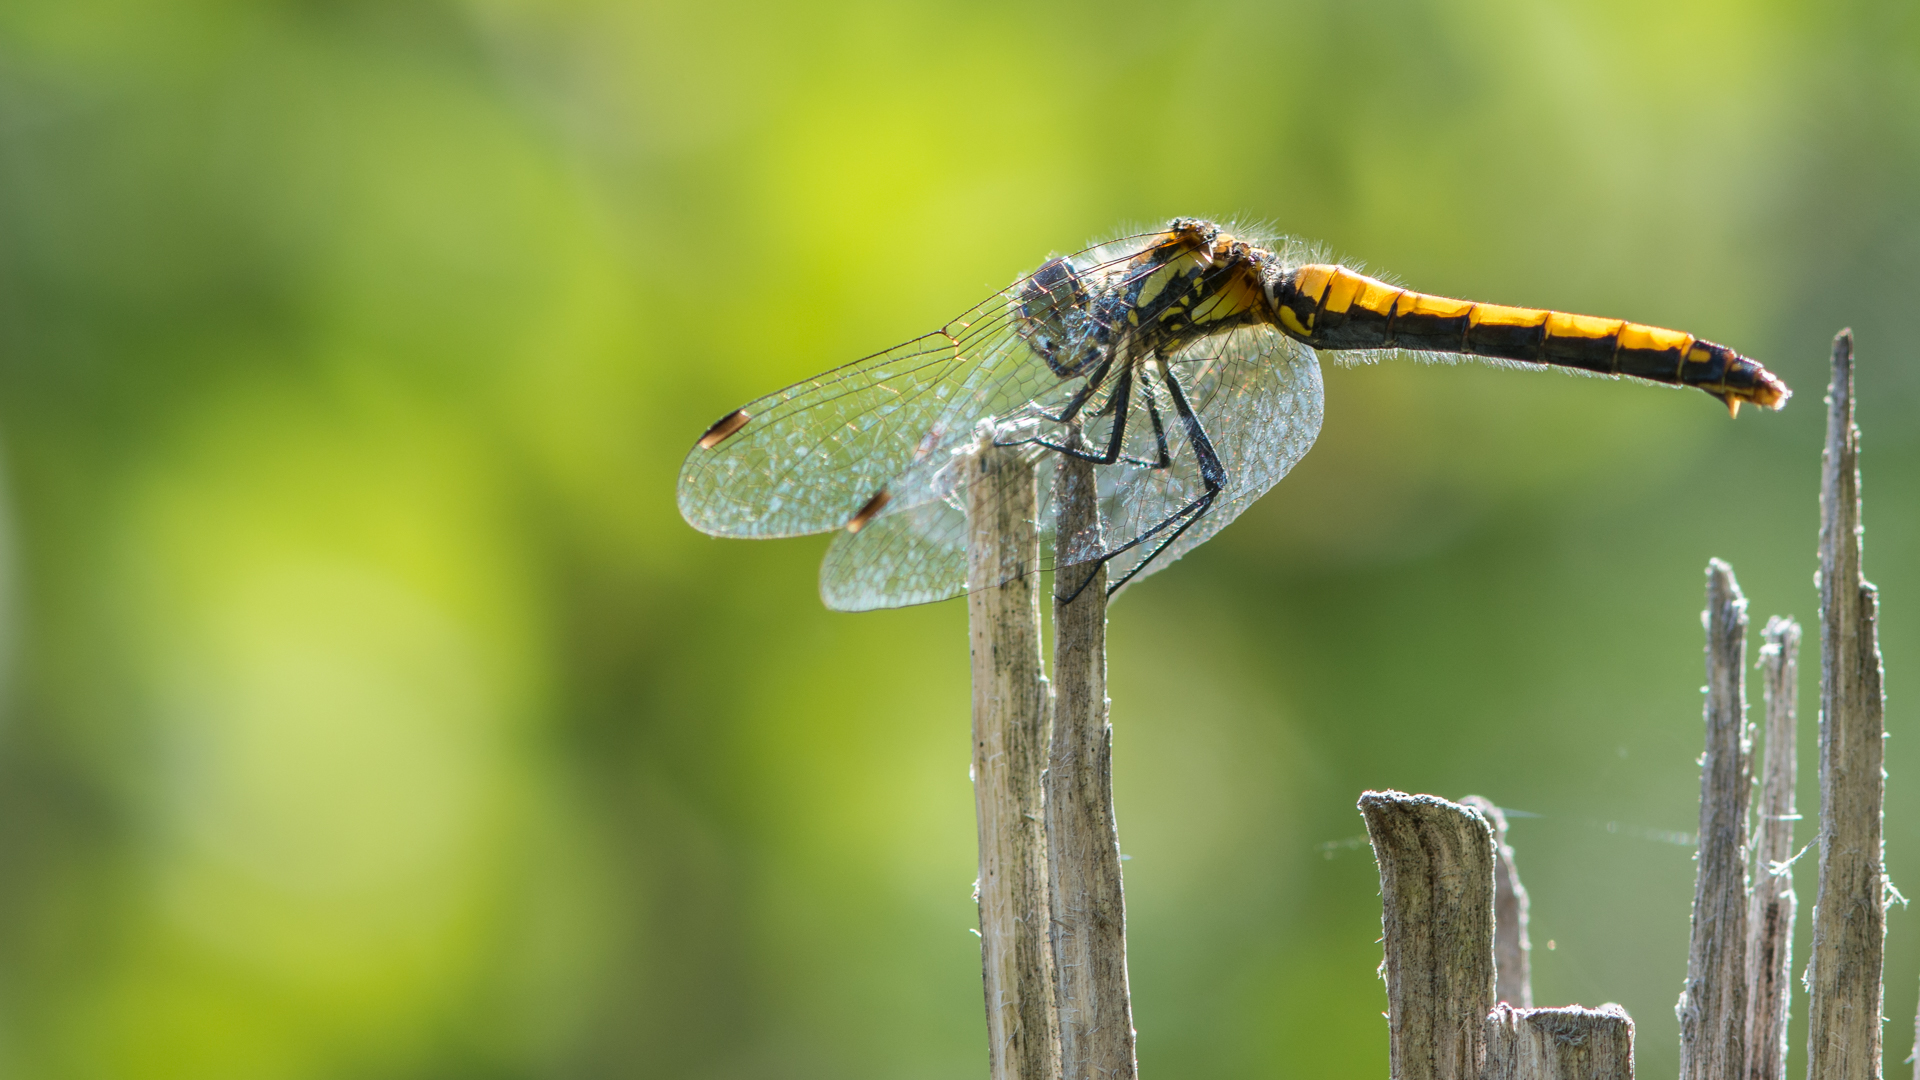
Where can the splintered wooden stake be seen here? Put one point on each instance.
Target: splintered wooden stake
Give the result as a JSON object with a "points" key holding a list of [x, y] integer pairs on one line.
{"points": [[1770, 914], [1436, 895], [1713, 1006], [1093, 1012], [1010, 707], [1849, 908], [1512, 952]]}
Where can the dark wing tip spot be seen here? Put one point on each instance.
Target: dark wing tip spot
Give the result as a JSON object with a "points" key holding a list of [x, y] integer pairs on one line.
{"points": [[874, 505], [724, 428]]}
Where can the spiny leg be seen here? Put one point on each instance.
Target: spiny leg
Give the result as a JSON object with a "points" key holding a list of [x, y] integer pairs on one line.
{"points": [[1079, 400], [1212, 473], [1122, 394], [1193, 511], [1165, 459], [1095, 379], [1213, 476]]}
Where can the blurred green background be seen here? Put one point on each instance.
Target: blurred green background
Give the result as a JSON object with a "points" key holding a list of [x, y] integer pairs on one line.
{"points": [[370, 712]]}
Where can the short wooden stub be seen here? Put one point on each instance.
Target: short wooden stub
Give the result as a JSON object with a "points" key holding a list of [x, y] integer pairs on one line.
{"points": [[1713, 1006], [1093, 1012], [1559, 1044], [1436, 889], [1849, 910], [1010, 711], [1770, 914], [1512, 952]]}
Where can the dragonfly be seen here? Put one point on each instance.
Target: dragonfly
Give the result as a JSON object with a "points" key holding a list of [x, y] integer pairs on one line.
{"points": [[1181, 362]]}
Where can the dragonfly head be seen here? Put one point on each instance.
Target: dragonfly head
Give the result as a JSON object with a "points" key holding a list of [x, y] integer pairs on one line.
{"points": [[1051, 312]]}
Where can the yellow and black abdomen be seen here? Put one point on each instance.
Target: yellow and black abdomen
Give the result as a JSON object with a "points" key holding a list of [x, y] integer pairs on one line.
{"points": [[1331, 307]]}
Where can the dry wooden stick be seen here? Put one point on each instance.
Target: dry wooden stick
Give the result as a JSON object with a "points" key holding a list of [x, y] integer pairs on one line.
{"points": [[1436, 892], [1770, 914], [1849, 908], [1010, 706], [1512, 952], [1548, 1044], [1093, 1013], [1713, 1007]]}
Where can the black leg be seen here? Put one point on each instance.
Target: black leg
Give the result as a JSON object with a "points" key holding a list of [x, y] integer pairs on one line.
{"points": [[1082, 587], [1194, 511], [1213, 476], [1165, 459], [1212, 473], [1095, 379], [1079, 401], [1122, 394]]}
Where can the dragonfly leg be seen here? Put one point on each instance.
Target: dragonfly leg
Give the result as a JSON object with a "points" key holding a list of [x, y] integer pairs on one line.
{"points": [[1165, 460], [1194, 511], [1213, 476], [1122, 394], [1212, 473], [1079, 400], [1186, 516], [1095, 379]]}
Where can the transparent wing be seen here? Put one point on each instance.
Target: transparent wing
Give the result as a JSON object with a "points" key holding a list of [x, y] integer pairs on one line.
{"points": [[807, 458], [1257, 395], [810, 457], [915, 552], [913, 556]]}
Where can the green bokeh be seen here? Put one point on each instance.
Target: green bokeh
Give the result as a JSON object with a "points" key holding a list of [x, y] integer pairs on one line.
{"points": [[371, 713]]}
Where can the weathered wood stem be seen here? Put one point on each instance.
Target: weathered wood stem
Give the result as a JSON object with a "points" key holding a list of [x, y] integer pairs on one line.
{"points": [[1512, 952], [1849, 908], [1093, 1012], [1770, 914], [1713, 1006], [1436, 892], [1010, 710]]}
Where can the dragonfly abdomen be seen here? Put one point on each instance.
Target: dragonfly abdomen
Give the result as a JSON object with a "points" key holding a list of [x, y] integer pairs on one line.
{"points": [[1331, 307]]}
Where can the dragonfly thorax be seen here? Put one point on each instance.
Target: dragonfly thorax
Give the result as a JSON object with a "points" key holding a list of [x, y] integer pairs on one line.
{"points": [[1192, 282]]}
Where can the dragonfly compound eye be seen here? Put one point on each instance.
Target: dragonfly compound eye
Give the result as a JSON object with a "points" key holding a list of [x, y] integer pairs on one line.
{"points": [[1052, 317]]}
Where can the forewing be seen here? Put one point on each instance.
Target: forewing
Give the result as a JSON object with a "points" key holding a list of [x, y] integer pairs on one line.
{"points": [[913, 556], [808, 458]]}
